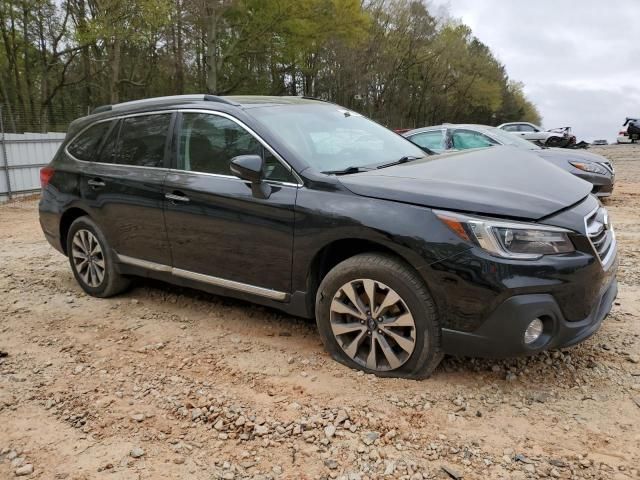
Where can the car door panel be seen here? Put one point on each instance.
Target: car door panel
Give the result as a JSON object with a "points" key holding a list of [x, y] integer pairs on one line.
{"points": [[128, 207], [225, 232], [216, 226], [127, 202]]}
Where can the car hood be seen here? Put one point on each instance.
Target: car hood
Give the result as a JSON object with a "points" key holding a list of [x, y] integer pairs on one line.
{"points": [[499, 181], [569, 155]]}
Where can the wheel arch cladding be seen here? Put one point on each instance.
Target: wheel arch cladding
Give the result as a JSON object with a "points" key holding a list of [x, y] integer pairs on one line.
{"points": [[68, 217], [338, 251]]}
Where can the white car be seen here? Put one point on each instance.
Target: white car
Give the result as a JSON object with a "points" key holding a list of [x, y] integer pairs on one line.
{"points": [[535, 133]]}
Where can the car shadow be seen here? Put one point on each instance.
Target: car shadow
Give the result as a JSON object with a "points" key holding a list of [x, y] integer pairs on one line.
{"points": [[548, 367]]}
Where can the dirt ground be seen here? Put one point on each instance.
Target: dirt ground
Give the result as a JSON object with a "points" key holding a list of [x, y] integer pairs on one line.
{"points": [[163, 382]]}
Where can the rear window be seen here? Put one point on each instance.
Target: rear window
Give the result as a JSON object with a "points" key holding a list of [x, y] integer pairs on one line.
{"points": [[85, 145]]}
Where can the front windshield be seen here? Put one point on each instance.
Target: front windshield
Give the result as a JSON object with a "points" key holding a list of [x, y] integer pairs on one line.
{"points": [[332, 138], [507, 138]]}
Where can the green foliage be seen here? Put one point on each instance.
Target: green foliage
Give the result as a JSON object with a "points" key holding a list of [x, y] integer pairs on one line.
{"points": [[390, 59]]}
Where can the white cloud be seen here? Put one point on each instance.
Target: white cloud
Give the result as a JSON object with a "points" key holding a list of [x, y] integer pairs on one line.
{"points": [[579, 61]]}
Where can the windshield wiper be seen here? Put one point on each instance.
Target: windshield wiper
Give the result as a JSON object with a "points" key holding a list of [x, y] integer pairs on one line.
{"points": [[346, 171], [405, 159]]}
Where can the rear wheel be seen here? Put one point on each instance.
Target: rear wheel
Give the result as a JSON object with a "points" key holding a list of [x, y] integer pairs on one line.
{"points": [[374, 313], [92, 261]]}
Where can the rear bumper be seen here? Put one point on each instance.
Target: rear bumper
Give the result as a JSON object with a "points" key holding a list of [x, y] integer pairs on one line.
{"points": [[502, 333], [49, 218]]}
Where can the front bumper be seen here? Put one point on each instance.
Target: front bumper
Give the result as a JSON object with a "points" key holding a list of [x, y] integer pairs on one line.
{"points": [[485, 302], [502, 334], [601, 191], [602, 184]]}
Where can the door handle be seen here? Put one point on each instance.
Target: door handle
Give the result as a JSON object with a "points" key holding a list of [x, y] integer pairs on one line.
{"points": [[176, 197], [96, 183]]}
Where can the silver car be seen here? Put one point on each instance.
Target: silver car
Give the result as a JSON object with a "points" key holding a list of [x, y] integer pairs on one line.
{"points": [[535, 133], [593, 168]]}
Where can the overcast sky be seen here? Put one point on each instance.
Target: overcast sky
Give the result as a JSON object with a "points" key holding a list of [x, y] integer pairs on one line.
{"points": [[579, 60]]}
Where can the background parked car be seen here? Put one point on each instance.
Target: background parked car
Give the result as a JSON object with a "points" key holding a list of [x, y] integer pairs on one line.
{"points": [[535, 133], [590, 167], [623, 136], [632, 126]]}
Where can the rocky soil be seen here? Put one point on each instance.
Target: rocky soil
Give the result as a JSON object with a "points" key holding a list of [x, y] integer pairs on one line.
{"points": [[165, 382]]}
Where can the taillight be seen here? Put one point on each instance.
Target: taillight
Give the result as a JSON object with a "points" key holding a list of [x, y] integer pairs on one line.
{"points": [[623, 133], [46, 174]]}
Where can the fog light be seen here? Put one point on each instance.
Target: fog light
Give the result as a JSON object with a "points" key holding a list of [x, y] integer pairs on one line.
{"points": [[533, 331]]}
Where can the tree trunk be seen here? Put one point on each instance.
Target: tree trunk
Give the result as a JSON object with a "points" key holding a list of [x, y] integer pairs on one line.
{"points": [[179, 52], [212, 57], [85, 54], [114, 78], [27, 67]]}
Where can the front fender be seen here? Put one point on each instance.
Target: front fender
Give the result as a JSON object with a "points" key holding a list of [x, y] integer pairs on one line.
{"points": [[412, 232]]}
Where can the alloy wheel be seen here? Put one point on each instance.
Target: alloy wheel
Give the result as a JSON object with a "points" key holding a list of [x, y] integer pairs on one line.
{"points": [[88, 258], [373, 325]]}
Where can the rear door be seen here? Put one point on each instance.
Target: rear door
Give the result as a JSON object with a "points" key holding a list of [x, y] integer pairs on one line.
{"points": [[219, 232], [434, 140], [464, 139], [529, 133], [123, 187]]}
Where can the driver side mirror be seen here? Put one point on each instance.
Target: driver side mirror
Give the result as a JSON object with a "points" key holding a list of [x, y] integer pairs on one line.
{"points": [[251, 169]]}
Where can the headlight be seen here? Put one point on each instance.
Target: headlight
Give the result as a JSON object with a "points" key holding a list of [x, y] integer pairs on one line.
{"points": [[590, 167], [525, 241]]}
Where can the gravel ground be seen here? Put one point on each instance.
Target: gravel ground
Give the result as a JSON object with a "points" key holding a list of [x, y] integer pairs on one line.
{"points": [[164, 382]]}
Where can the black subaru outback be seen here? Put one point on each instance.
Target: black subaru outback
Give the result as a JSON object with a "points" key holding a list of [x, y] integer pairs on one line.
{"points": [[308, 207]]}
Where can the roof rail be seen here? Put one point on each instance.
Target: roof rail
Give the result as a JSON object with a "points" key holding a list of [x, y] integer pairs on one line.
{"points": [[167, 99], [307, 97]]}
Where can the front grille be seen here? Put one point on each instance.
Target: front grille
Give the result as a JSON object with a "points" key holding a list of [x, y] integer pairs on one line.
{"points": [[601, 234]]}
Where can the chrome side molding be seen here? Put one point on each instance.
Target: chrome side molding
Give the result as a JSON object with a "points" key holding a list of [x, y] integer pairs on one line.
{"points": [[136, 262], [200, 277]]}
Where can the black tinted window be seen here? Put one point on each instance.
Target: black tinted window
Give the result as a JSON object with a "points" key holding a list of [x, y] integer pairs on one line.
{"points": [[85, 145], [108, 149], [142, 140], [209, 142]]}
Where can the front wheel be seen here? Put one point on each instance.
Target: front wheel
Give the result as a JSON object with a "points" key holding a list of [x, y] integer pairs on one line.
{"points": [[374, 313], [554, 142], [92, 261]]}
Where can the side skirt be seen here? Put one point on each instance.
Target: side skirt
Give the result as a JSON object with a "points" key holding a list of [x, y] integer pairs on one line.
{"points": [[208, 279]]}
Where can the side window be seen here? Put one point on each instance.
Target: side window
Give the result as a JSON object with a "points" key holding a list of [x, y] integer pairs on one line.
{"points": [[85, 145], [511, 128], [108, 150], [525, 128], [208, 142], [433, 140], [142, 140], [464, 139]]}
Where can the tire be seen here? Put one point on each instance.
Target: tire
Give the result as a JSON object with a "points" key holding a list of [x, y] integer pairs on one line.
{"points": [[554, 142], [350, 280], [85, 233]]}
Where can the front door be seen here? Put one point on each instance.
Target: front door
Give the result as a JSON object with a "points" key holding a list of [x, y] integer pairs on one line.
{"points": [[219, 232], [123, 187]]}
